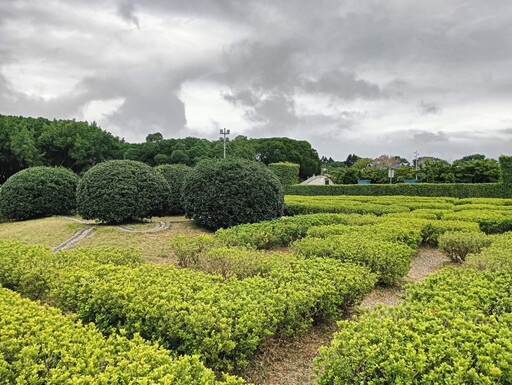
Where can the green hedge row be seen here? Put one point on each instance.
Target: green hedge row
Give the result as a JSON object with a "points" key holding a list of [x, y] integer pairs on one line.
{"points": [[496, 256], [506, 169], [455, 328], [288, 173], [39, 345], [389, 260], [277, 232], [189, 312], [392, 231], [457, 190]]}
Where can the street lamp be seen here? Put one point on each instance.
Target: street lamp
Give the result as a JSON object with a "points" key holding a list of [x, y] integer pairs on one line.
{"points": [[224, 133]]}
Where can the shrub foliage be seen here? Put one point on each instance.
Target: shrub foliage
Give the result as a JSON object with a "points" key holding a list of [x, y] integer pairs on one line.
{"points": [[122, 190], [225, 193], [41, 346], [455, 328], [175, 175], [38, 192], [288, 173]]}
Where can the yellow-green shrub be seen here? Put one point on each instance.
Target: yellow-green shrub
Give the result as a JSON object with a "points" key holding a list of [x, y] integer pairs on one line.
{"points": [[456, 328], [186, 311], [389, 260], [39, 345], [457, 245]]}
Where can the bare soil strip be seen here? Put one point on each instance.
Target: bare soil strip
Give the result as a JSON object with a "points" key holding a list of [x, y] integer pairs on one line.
{"points": [[285, 362]]}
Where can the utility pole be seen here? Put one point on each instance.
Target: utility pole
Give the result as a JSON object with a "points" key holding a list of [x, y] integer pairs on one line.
{"points": [[416, 163], [224, 133]]}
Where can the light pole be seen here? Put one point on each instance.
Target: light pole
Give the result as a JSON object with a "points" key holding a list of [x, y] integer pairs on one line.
{"points": [[416, 163], [224, 133]]}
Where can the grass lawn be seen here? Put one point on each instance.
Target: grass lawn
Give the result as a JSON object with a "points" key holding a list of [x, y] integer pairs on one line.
{"points": [[153, 246], [45, 231], [50, 232]]}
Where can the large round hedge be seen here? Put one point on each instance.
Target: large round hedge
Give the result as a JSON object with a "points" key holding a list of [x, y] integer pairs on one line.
{"points": [[175, 175], [37, 192], [121, 190], [224, 193]]}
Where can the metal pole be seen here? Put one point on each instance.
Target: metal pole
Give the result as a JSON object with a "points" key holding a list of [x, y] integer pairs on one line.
{"points": [[224, 133], [416, 163]]}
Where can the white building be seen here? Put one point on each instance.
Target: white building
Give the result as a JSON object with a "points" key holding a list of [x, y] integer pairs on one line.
{"points": [[318, 180]]}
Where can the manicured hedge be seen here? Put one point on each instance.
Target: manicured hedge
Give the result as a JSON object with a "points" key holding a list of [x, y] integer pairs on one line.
{"points": [[278, 232], [455, 328], [223, 193], [457, 190], [506, 169], [390, 260], [288, 173], [122, 190], [39, 345], [394, 232], [175, 174], [497, 256], [189, 312], [38, 192]]}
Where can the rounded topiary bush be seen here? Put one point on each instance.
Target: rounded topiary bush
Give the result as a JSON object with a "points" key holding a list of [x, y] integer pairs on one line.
{"points": [[37, 192], [175, 175], [121, 190], [225, 193]]}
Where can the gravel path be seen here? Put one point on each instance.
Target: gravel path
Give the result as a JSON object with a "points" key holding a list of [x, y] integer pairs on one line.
{"points": [[291, 362], [426, 261]]}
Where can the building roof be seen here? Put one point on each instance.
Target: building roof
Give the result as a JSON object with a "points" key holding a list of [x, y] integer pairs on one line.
{"points": [[315, 178]]}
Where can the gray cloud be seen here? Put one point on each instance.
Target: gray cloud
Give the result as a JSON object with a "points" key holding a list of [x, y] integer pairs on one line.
{"points": [[367, 77], [429, 108], [344, 85], [127, 12]]}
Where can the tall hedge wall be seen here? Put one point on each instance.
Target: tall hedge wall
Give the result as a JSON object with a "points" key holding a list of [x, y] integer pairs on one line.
{"points": [[456, 190], [288, 173], [506, 169]]}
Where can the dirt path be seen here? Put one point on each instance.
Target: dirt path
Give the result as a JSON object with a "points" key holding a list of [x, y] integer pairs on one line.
{"points": [[291, 362]]}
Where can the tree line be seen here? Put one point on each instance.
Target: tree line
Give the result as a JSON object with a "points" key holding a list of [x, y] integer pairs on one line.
{"points": [[27, 142], [475, 168], [76, 145]]}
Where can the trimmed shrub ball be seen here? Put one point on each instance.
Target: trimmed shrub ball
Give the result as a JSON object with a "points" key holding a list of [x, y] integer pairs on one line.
{"points": [[175, 175], [120, 191], [37, 192], [224, 193]]}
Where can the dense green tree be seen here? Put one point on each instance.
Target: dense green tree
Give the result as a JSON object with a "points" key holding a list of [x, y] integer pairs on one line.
{"points": [[179, 156], [346, 175], [275, 150], [156, 137], [351, 159], [375, 174], [476, 170], [437, 171], [469, 158], [362, 163], [76, 145]]}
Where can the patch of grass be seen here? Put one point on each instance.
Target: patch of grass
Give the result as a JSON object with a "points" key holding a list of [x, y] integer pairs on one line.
{"points": [[154, 246], [48, 232]]}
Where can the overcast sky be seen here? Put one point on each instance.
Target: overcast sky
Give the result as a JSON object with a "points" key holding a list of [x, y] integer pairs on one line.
{"points": [[350, 76]]}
